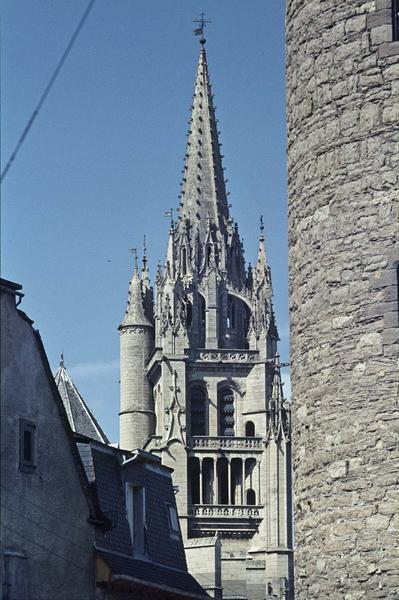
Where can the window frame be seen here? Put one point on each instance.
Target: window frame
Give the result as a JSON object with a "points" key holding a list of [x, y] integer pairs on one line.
{"points": [[395, 20], [27, 465], [173, 515], [130, 513]]}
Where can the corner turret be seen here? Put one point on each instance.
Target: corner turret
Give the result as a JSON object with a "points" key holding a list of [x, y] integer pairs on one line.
{"points": [[136, 344]]}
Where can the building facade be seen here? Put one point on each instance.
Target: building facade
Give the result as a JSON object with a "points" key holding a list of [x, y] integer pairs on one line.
{"points": [[343, 169], [141, 555], [47, 517], [201, 384]]}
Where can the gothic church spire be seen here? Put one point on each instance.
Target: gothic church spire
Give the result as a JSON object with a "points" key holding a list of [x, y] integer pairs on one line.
{"points": [[203, 189]]}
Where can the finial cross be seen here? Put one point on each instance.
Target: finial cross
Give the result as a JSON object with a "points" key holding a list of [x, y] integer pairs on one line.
{"points": [[202, 24], [134, 252]]}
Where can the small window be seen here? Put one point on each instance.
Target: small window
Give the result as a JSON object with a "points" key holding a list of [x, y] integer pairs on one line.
{"points": [[135, 508], [251, 498], [15, 576], [173, 519], [249, 429], [27, 449]]}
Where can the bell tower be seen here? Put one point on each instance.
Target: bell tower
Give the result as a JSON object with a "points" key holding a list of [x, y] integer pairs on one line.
{"points": [[221, 419]]}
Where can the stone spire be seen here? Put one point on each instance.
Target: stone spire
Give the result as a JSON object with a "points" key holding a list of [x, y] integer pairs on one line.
{"points": [[145, 276], [203, 188], [262, 269], [135, 314], [279, 426]]}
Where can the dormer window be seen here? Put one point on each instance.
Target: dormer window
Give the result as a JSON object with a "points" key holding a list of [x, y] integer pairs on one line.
{"points": [[135, 509], [173, 520]]}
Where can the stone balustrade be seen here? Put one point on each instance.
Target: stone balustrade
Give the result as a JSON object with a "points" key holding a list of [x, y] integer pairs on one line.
{"points": [[218, 511], [226, 443], [226, 356]]}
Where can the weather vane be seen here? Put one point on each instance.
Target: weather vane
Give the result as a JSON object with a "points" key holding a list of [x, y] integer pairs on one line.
{"points": [[169, 213], [200, 30]]}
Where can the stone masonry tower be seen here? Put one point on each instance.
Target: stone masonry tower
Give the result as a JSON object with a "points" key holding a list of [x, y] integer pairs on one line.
{"points": [[343, 170], [136, 344], [211, 373]]}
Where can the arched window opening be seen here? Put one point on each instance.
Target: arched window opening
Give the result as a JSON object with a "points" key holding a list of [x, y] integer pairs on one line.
{"points": [[197, 396], [238, 262], [222, 466], [226, 412], [249, 429], [231, 313], [207, 481], [236, 479], [184, 260], [249, 472], [188, 311], [193, 468], [251, 497], [202, 317]]}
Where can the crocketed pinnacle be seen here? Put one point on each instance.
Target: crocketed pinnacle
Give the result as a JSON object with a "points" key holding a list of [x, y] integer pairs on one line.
{"points": [[203, 189], [262, 269], [135, 314]]}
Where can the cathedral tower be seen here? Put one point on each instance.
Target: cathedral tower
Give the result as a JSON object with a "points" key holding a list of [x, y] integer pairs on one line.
{"points": [[221, 419], [342, 73]]}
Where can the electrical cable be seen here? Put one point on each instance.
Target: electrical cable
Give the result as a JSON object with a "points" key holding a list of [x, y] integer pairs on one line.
{"points": [[40, 507], [47, 90], [50, 550], [40, 526]]}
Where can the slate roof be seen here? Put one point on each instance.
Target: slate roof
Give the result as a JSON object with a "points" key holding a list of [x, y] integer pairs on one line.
{"points": [[154, 574], [108, 470], [80, 418]]}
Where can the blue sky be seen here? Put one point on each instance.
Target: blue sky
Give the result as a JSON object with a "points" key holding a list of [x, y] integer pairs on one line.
{"points": [[104, 158]]}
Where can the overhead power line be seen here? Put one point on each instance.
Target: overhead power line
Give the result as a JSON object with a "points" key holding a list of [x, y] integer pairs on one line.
{"points": [[47, 89]]}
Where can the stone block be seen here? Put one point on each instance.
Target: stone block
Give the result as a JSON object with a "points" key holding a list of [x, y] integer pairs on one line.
{"points": [[390, 336], [380, 17], [381, 34], [390, 114], [388, 49]]}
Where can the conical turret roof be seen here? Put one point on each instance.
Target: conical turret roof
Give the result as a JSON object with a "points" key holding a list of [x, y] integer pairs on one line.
{"points": [[135, 314], [79, 415], [203, 190]]}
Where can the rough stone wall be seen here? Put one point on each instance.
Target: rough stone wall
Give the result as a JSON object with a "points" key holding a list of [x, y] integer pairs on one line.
{"points": [[343, 168]]}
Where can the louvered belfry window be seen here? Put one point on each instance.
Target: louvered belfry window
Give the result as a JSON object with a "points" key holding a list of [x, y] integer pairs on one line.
{"points": [[198, 411], [226, 413]]}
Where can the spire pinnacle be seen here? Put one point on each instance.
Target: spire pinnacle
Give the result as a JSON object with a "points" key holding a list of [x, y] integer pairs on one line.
{"points": [[135, 259], [279, 413], [203, 186], [262, 229], [62, 359]]}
